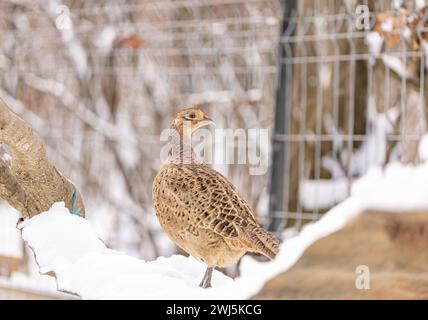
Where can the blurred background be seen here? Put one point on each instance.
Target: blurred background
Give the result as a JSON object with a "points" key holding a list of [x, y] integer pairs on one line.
{"points": [[100, 80]]}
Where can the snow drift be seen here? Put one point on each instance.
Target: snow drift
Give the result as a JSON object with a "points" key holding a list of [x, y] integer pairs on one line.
{"points": [[68, 246]]}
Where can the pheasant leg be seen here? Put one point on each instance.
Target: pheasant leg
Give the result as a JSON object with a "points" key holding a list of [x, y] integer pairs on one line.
{"points": [[206, 280]]}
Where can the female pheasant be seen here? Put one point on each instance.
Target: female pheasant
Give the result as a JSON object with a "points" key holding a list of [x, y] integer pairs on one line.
{"points": [[200, 210]]}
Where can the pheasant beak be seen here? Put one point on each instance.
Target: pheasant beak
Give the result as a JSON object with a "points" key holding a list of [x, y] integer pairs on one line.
{"points": [[205, 122]]}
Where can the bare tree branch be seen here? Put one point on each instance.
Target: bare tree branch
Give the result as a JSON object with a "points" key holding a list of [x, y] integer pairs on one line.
{"points": [[30, 183]]}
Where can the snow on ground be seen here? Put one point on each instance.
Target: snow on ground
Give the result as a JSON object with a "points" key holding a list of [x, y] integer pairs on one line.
{"points": [[68, 246], [83, 265], [322, 193], [396, 188]]}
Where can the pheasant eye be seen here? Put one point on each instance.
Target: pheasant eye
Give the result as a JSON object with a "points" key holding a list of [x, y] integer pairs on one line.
{"points": [[191, 116]]}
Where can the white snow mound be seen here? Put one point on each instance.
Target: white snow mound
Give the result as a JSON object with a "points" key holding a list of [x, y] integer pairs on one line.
{"points": [[68, 246]]}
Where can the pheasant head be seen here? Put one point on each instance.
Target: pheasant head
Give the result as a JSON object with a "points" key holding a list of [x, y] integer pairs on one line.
{"points": [[185, 124], [193, 117]]}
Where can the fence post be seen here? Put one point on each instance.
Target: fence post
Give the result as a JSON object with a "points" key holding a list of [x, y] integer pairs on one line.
{"points": [[279, 184]]}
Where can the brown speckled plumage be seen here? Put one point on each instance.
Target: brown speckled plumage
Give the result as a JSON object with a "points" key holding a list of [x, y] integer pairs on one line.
{"points": [[203, 213]]}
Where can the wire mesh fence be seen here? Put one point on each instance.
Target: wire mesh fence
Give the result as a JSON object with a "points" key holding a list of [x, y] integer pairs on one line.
{"points": [[352, 96], [100, 80]]}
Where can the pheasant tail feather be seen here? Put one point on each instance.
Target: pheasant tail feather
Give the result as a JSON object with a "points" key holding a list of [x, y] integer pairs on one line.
{"points": [[262, 241]]}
